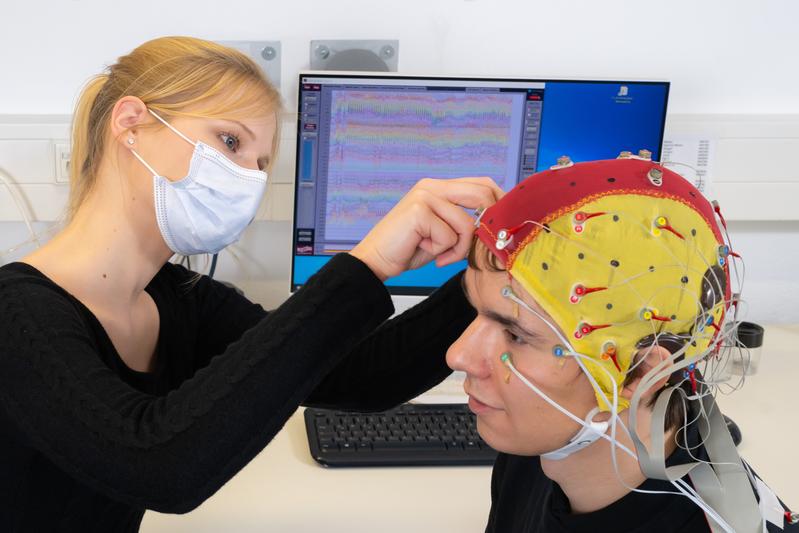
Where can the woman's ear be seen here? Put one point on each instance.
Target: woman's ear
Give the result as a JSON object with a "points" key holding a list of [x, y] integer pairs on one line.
{"points": [[645, 360], [129, 112]]}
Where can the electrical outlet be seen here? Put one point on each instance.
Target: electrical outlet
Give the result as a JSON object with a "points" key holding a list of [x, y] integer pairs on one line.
{"points": [[62, 160]]}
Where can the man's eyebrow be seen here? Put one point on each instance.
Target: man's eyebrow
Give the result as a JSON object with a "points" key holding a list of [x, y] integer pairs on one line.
{"points": [[499, 318], [511, 323]]}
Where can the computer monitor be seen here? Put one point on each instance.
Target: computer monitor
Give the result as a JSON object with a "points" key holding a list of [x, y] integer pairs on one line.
{"points": [[363, 140]]}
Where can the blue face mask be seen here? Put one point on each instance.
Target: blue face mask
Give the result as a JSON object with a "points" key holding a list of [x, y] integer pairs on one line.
{"points": [[210, 207]]}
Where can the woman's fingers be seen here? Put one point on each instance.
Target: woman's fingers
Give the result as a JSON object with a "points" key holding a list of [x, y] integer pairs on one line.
{"points": [[496, 190], [429, 222], [459, 221], [467, 192]]}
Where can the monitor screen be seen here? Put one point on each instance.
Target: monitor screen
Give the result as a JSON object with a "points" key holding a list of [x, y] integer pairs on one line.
{"points": [[363, 140]]}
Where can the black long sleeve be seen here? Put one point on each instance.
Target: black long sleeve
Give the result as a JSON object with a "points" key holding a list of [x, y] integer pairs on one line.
{"points": [[164, 452], [402, 358], [396, 362]]}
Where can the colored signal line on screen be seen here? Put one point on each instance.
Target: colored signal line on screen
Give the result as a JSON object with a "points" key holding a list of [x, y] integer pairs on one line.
{"points": [[382, 142]]}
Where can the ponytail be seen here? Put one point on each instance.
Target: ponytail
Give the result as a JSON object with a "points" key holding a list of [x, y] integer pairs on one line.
{"points": [[88, 136]]}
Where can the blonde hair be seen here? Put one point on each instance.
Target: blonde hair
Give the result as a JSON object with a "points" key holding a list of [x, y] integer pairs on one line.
{"points": [[169, 74]]}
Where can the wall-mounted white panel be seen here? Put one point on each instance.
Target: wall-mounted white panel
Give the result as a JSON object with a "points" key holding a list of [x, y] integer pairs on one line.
{"points": [[754, 176], [29, 161], [46, 202]]}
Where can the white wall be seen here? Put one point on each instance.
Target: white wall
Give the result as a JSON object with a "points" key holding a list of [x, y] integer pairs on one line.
{"points": [[722, 57]]}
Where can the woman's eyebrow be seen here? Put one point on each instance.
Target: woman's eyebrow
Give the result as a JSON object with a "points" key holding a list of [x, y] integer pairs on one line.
{"points": [[242, 126]]}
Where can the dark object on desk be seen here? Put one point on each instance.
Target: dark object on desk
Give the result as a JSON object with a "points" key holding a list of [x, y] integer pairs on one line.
{"points": [[735, 431], [409, 435]]}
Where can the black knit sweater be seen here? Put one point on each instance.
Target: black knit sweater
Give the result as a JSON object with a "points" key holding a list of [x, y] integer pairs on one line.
{"points": [[87, 444]]}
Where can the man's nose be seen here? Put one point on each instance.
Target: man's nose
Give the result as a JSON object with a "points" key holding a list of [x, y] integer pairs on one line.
{"points": [[469, 352]]}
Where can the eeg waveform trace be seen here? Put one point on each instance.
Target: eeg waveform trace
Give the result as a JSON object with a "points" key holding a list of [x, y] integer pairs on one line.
{"points": [[383, 142]]}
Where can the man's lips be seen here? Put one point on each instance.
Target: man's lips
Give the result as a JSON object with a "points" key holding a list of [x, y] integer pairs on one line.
{"points": [[476, 405]]}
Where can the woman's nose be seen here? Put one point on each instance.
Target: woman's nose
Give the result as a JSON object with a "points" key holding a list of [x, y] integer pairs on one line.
{"points": [[468, 352]]}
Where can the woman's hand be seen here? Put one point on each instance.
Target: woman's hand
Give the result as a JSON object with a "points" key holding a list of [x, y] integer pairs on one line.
{"points": [[428, 223]]}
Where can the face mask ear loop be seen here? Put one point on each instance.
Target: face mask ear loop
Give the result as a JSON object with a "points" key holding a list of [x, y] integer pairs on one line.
{"points": [[171, 127], [143, 162]]}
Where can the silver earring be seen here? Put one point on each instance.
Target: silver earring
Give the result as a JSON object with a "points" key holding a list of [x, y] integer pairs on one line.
{"points": [[131, 140]]}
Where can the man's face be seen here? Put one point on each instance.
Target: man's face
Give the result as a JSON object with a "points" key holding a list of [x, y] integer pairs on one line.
{"points": [[511, 417]]}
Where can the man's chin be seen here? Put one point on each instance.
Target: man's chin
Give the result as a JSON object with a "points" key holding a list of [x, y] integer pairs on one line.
{"points": [[501, 442]]}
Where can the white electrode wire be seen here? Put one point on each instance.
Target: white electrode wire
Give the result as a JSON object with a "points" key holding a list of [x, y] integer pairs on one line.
{"points": [[9, 182], [690, 493], [695, 498], [507, 292], [557, 406], [615, 443]]}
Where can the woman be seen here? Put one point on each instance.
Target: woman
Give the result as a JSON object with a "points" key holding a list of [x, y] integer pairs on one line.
{"points": [[129, 383]]}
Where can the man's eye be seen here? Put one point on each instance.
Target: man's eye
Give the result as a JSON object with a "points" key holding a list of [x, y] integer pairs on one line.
{"points": [[230, 140], [512, 337]]}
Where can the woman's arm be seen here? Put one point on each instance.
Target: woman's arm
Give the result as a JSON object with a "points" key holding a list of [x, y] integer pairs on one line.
{"points": [[402, 358], [170, 453], [398, 361]]}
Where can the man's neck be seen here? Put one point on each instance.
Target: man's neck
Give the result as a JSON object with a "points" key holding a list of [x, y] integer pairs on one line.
{"points": [[588, 477]]}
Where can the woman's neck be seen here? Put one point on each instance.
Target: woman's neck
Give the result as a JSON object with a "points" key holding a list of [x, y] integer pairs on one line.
{"points": [[588, 477], [109, 251]]}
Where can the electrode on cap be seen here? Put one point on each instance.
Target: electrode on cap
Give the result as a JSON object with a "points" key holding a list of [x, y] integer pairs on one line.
{"points": [[564, 161], [504, 238], [655, 176], [478, 213]]}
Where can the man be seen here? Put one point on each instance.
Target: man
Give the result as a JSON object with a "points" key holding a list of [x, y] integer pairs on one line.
{"points": [[604, 288]]}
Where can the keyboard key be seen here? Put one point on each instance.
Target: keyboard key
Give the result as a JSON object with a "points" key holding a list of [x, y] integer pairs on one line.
{"points": [[405, 445]]}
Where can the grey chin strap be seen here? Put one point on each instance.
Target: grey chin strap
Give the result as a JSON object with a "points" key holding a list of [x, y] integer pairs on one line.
{"points": [[588, 434], [724, 484]]}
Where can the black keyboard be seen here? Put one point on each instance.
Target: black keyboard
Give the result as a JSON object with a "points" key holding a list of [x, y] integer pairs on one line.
{"points": [[410, 435]]}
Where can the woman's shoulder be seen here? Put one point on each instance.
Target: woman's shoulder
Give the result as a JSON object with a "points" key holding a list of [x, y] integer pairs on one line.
{"points": [[21, 279], [34, 309], [18, 271]]}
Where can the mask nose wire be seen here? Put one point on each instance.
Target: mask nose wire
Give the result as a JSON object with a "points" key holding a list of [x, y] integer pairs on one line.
{"points": [[171, 127]]}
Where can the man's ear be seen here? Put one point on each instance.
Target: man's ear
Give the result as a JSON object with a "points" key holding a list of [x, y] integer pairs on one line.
{"points": [[644, 361]]}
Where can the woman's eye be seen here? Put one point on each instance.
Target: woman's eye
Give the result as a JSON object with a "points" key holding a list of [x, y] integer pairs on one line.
{"points": [[230, 141]]}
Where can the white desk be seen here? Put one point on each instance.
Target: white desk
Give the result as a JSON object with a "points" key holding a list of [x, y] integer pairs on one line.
{"points": [[283, 490]]}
